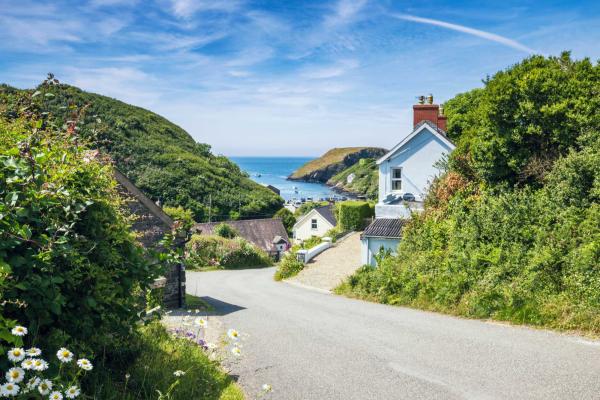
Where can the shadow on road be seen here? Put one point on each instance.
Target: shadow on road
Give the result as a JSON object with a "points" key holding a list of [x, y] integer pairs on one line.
{"points": [[221, 307]]}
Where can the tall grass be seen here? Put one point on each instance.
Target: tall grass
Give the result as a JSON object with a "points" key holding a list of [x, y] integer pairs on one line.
{"points": [[156, 356]]}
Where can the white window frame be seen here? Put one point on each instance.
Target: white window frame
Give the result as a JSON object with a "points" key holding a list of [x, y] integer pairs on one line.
{"points": [[314, 224], [394, 179]]}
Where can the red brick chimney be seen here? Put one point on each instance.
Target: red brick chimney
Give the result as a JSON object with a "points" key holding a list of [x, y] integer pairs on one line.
{"points": [[428, 112]]}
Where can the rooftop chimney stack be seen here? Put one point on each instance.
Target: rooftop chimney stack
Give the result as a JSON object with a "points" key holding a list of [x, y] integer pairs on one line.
{"points": [[428, 112]]}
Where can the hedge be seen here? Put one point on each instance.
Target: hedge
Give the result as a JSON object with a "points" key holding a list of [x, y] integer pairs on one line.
{"points": [[352, 214]]}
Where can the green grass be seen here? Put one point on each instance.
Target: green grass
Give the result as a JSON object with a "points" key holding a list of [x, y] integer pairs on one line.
{"points": [[157, 355]]}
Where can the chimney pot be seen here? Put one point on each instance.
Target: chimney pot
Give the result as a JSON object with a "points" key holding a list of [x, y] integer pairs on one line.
{"points": [[428, 112]]}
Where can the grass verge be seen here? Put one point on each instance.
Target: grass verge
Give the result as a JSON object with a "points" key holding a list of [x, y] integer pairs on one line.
{"points": [[157, 355]]}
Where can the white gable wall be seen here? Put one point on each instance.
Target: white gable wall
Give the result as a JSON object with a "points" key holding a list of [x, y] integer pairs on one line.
{"points": [[303, 229], [416, 158]]}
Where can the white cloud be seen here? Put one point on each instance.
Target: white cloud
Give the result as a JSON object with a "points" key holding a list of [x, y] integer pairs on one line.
{"points": [[187, 8], [470, 31], [330, 71]]}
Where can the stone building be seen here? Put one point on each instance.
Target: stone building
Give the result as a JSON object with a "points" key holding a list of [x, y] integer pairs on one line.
{"points": [[151, 224]]}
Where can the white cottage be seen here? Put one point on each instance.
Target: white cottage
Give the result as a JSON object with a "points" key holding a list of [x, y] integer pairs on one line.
{"points": [[405, 174], [316, 222]]}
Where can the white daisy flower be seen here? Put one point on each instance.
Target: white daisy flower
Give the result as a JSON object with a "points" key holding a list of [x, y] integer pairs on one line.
{"points": [[39, 364], [72, 392], [33, 382], [236, 351], [27, 363], [15, 375], [267, 388], [233, 334], [201, 322], [84, 364], [64, 355], [9, 389], [19, 330], [45, 387], [16, 354], [55, 395], [33, 352], [179, 373]]}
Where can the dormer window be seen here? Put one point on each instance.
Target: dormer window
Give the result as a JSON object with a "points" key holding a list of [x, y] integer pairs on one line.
{"points": [[396, 179]]}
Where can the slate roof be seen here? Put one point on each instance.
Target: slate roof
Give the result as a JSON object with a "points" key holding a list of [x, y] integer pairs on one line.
{"points": [[261, 232], [327, 213], [385, 228]]}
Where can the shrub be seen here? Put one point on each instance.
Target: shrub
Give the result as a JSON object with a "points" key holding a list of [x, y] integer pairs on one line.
{"points": [[186, 217], [215, 251], [288, 266], [65, 245], [225, 231], [287, 219], [335, 234], [351, 215]]}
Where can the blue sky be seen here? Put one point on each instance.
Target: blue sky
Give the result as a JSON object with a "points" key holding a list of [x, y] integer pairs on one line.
{"points": [[284, 77]]}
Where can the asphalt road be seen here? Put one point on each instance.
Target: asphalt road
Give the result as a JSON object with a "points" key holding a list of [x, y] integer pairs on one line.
{"points": [[312, 345]]}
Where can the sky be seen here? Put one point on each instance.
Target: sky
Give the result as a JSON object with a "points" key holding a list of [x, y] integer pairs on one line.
{"points": [[284, 77]]}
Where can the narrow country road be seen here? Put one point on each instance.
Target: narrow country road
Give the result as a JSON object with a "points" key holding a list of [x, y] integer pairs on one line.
{"points": [[312, 345]]}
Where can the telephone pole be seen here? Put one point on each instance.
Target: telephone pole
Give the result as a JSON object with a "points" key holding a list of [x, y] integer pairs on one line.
{"points": [[210, 208]]}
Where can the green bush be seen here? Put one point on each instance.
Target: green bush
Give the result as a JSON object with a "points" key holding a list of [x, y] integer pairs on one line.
{"points": [[186, 217], [288, 266], [65, 246], [215, 251], [335, 234], [225, 231], [351, 215], [287, 219]]}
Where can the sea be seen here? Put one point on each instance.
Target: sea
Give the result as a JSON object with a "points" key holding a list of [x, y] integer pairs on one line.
{"points": [[274, 171]]}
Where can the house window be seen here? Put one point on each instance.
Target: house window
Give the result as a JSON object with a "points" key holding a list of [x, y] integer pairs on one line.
{"points": [[313, 224], [396, 179]]}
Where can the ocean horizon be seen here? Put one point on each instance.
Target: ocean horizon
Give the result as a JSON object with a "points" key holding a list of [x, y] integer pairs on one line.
{"points": [[275, 170]]}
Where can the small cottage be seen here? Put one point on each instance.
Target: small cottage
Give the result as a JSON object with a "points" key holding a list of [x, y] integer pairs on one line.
{"points": [[316, 222], [267, 234]]}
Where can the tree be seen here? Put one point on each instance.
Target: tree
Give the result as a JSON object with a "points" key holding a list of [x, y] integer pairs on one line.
{"points": [[525, 118], [287, 218]]}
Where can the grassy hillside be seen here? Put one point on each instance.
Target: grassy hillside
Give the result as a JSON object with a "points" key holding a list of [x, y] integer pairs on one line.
{"points": [[157, 155], [334, 161], [365, 182], [512, 230]]}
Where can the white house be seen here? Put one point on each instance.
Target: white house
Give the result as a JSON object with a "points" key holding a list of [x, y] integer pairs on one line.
{"points": [[316, 222], [405, 174]]}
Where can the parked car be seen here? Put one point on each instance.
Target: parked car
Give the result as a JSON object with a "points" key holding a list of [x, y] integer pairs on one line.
{"points": [[408, 197]]}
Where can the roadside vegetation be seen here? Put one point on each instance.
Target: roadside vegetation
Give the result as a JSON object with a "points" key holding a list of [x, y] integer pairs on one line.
{"points": [[511, 230], [288, 267], [73, 278], [217, 252]]}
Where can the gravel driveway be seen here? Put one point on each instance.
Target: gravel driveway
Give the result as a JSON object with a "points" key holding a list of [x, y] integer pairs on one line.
{"points": [[330, 268]]}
